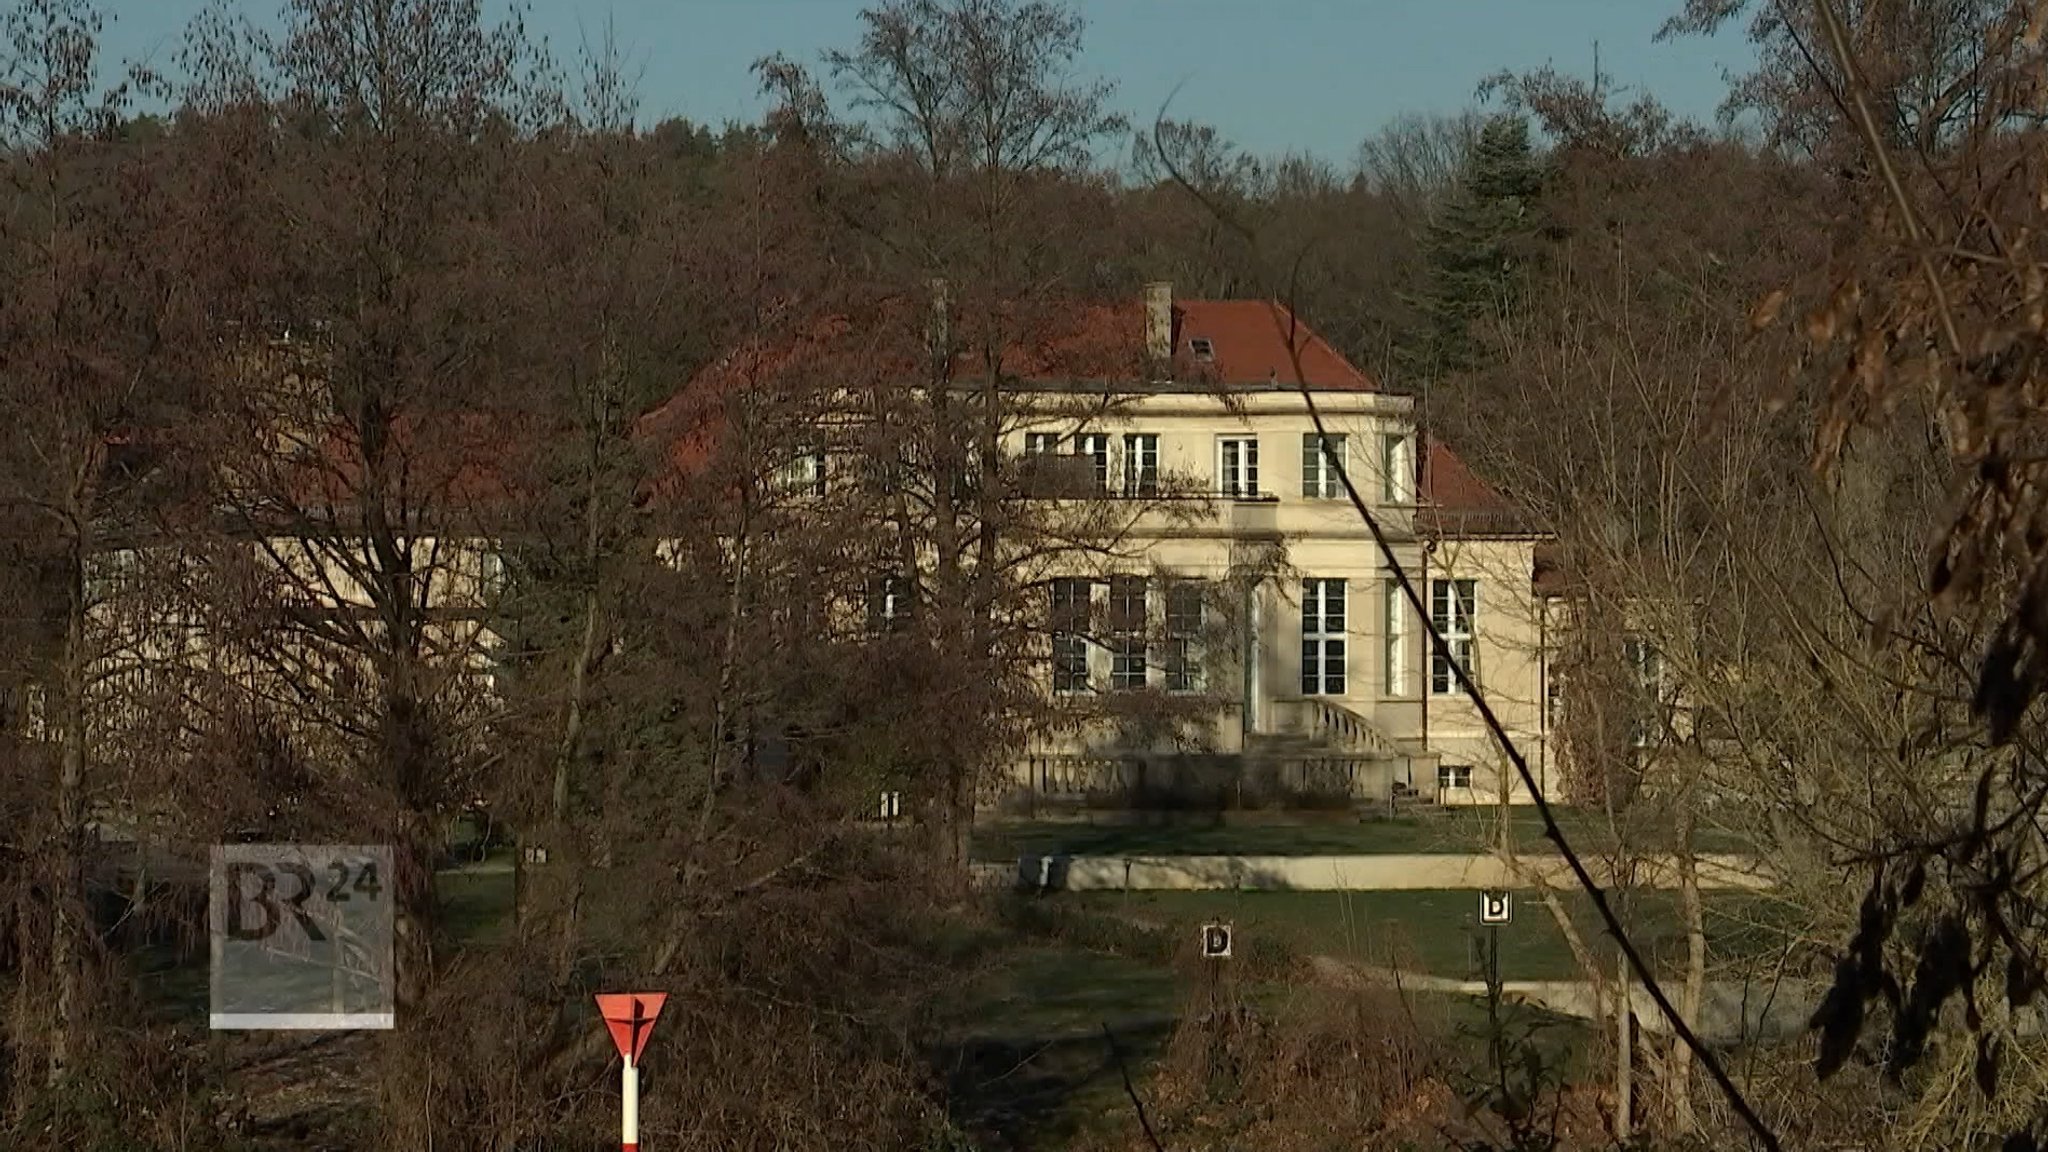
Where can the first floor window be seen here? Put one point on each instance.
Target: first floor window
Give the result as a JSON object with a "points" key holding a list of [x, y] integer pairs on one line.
{"points": [[1453, 607], [1646, 672], [881, 474], [1394, 637], [1095, 447], [1141, 464], [1397, 469], [1041, 443], [1070, 635], [1645, 666], [1453, 776], [1127, 605], [804, 473], [1322, 459], [1322, 637], [1183, 636], [1237, 466]]}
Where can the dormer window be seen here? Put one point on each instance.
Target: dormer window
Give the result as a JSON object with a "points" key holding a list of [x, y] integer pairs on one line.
{"points": [[1203, 349]]}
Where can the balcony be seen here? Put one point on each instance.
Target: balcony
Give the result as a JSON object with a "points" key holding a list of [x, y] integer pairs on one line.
{"points": [[1254, 516], [1048, 476]]}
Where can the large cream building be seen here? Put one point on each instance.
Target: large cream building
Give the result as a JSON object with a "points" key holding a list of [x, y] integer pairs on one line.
{"points": [[1245, 591], [1322, 681]]}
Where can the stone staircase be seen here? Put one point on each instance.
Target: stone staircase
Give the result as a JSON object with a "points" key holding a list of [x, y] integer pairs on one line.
{"points": [[1315, 754]]}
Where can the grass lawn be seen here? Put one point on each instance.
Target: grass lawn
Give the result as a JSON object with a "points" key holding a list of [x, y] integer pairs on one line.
{"points": [[476, 907], [1197, 835], [1430, 931], [1021, 1046], [1025, 1059]]}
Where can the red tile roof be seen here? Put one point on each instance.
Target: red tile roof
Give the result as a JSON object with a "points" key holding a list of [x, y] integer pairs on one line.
{"points": [[1079, 344], [468, 460], [1249, 346], [1252, 338], [1456, 502]]}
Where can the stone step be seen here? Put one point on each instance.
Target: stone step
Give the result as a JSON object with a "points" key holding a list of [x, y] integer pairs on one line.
{"points": [[1281, 740]]}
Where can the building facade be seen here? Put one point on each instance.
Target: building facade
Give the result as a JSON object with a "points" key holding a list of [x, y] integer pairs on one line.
{"points": [[1273, 599]]}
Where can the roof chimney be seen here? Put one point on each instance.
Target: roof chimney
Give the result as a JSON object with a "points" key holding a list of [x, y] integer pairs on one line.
{"points": [[1159, 324]]}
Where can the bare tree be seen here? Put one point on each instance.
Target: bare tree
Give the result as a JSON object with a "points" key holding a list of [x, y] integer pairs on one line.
{"points": [[99, 337], [1416, 159], [971, 123], [354, 457]]}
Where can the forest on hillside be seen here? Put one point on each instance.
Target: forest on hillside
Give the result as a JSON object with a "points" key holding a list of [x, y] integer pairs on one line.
{"points": [[331, 292]]}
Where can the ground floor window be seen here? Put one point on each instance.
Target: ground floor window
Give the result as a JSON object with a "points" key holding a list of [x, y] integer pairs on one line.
{"points": [[1322, 638], [1183, 636], [1453, 776], [1127, 613], [1069, 620], [1453, 610]]}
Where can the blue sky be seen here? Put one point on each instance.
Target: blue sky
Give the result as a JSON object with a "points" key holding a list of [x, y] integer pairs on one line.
{"points": [[1272, 75]]}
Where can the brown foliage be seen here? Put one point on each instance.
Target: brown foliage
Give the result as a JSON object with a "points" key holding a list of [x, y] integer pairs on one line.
{"points": [[1330, 1069]]}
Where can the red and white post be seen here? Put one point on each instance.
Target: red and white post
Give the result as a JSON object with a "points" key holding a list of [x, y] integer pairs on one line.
{"points": [[629, 1017], [629, 1106]]}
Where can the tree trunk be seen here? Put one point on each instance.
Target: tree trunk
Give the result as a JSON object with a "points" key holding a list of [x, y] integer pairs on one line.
{"points": [[1624, 1052], [1694, 991], [1582, 953], [67, 897], [563, 881]]}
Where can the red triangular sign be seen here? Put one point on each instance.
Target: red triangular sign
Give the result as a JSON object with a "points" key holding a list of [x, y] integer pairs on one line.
{"points": [[629, 1017]]}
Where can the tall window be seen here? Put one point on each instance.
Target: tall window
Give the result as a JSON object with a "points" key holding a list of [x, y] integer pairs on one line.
{"points": [[1646, 673], [1397, 471], [1394, 638], [1321, 458], [1141, 464], [1322, 637], [1095, 446], [1183, 636], [1070, 635], [1453, 607], [1237, 466], [1127, 610], [804, 473], [880, 473]]}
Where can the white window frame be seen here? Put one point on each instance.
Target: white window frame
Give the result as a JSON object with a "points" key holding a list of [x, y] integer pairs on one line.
{"points": [[804, 473], [1321, 459], [1460, 631], [1041, 443], [1095, 446], [1397, 468], [1324, 635], [1394, 638], [1646, 673], [1128, 667], [1181, 666], [1066, 643], [1141, 463], [1237, 466], [1448, 777]]}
